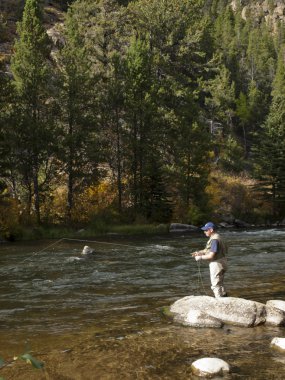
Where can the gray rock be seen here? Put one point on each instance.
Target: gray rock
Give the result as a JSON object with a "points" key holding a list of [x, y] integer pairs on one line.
{"points": [[241, 223], [87, 251], [278, 304], [179, 227], [210, 367], [197, 318], [228, 310], [274, 316], [228, 218], [278, 343], [225, 225]]}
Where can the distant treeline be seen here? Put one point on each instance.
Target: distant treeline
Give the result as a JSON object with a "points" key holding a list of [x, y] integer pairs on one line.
{"points": [[142, 111]]}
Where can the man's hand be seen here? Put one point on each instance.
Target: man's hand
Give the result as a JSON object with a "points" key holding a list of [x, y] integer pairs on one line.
{"points": [[198, 258]]}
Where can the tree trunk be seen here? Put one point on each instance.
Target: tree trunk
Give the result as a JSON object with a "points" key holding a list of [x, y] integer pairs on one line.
{"points": [[70, 169], [135, 166], [69, 192], [36, 196], [119, 169]]}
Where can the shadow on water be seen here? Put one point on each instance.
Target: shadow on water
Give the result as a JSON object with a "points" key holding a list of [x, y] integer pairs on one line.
{"points": [[102, 314]]}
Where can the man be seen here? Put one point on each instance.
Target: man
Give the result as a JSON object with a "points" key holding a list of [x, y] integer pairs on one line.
{"points": [[214, 252]]}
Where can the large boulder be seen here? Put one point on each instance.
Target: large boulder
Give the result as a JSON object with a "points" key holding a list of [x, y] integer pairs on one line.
{"points": [[210, 367], [205, 311]]}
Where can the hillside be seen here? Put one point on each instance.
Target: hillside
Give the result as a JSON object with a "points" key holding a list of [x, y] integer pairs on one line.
{"points": [[10, 14], [156, 112]]}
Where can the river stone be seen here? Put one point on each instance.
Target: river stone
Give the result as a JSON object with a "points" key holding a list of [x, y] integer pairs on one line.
{"points": [[229, 310], [274, 316], [87, 251], [210, 367], [278, 343], [197, 318], [278, 304], [179, 227]]}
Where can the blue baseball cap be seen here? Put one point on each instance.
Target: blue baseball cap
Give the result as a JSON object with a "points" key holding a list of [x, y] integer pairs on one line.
{"points": [[208, 226]]}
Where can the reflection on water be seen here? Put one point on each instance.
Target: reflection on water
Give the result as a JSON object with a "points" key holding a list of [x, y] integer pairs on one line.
{"points": [[115, 298]]}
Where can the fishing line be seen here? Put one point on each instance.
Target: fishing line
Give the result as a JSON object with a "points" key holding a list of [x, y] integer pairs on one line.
{"points": [[200, 283], [42, 250], [79, 240], [101, 242]]}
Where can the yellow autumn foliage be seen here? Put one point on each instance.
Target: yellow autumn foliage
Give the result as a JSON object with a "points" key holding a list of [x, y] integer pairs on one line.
{"points": [[231, 194], [9, 216], [92, 201]]}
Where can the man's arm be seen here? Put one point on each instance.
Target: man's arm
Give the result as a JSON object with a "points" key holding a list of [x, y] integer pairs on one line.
{"points": [[209, 256]]}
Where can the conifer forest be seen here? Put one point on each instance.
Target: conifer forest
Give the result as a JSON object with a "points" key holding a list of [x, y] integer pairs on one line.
{"points": [[145, 111]]}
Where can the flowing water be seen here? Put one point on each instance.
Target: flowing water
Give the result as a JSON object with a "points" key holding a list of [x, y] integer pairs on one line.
{"points": [[106, 310]]}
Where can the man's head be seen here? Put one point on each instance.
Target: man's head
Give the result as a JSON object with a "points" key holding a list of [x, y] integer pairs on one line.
{"points": [[209, 228]]}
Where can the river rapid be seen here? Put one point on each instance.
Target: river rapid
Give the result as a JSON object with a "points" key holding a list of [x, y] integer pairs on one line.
{"points": [[101, 317]]}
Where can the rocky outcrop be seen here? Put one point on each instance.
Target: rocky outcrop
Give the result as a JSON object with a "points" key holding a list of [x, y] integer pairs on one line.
{"points": [[272, 12], [205, 311]]}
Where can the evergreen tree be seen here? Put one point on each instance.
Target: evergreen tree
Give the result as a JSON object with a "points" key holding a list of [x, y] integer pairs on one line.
{"points": [[139, 117], [270, 151], [101, 25], [34, 137], [6, 102], [75, 102], [261, 58], [176, 33], [221, 102], [115, 122]]}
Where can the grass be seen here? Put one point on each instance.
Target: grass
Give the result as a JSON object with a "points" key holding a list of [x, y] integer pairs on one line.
{"points": [[137, 229], [58, 232]]}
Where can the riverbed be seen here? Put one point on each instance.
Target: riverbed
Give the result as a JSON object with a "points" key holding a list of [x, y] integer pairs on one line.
{"points": [[101, 317]]}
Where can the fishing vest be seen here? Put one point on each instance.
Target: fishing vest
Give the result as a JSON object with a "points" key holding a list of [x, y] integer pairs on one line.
{"points": [[222, 249]]}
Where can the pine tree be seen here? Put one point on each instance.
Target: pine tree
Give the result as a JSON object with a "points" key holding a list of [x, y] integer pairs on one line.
{"points": [[270, 151], [221, 102], [34, 132], [75, 101], [139, 116], [176, 33], [101, 24], [6, 102]]}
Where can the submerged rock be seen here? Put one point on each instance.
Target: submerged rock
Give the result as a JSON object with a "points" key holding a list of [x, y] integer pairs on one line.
{"points": [[210, 367], [205, 311], [87, 251]]}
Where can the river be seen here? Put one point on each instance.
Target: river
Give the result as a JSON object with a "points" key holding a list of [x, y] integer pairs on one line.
{"points": [[101, 317]]}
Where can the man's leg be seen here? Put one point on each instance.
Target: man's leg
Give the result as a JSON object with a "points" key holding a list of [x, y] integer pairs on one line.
{"points": [[217, 272]]}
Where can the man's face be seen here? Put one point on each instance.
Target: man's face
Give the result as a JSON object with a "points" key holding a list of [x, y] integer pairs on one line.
{"points": [[209, 232]]}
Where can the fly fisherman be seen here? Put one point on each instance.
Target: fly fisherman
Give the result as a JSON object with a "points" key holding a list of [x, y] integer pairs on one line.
{"points": [[214, 252]]}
